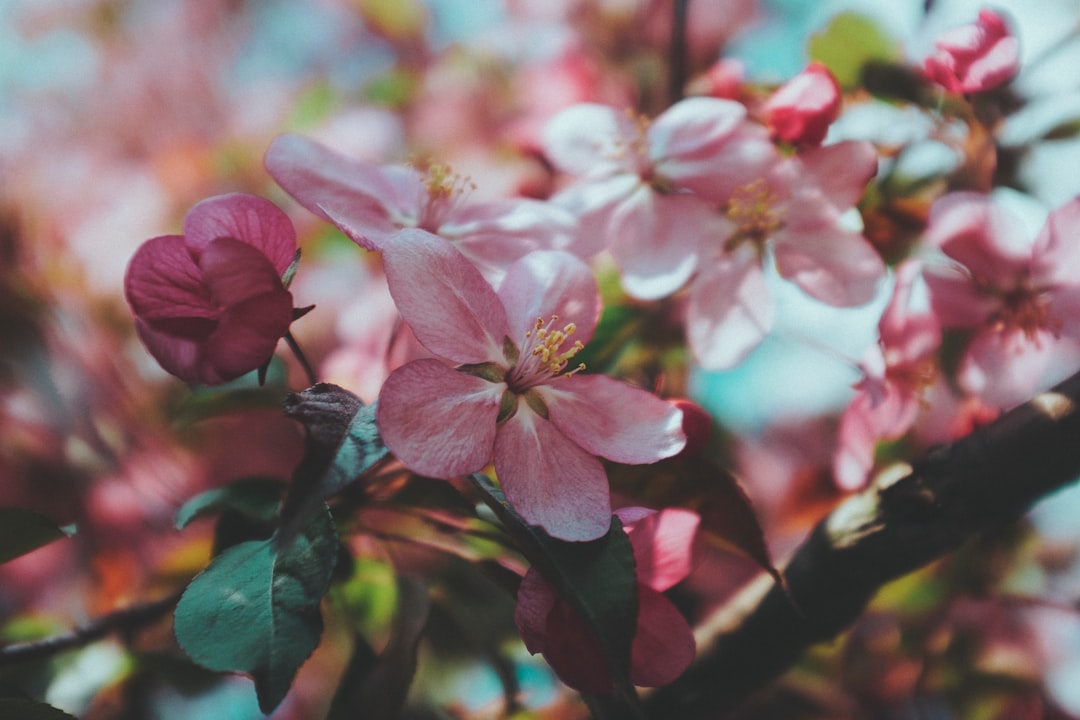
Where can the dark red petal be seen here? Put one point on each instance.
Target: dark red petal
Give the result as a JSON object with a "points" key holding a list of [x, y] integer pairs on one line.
{"points": [[247, 218]]}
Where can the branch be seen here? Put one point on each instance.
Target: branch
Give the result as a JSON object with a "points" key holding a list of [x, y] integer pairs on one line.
{"points": [[124, 621], [953, 493]]}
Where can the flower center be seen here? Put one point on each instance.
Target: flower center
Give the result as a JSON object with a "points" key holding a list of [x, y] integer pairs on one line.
{"points": [[545, 353], [756, 212], [442, 189], [1024, 308]]}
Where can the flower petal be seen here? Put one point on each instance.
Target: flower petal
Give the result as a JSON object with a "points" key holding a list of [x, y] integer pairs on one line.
{"points": [[839, 172], [836, 266], [981, 235], [1006, 368], [535, 601], [613, 419], [1056, 252], [551, 481], [589, 140], [663, 543], [694, 129], [574, 652], [655, 240], [247, 218], [730, 310], [663, 645], [351, 193], [547, 283], [438, 421], [163, 281], [452, 310]]}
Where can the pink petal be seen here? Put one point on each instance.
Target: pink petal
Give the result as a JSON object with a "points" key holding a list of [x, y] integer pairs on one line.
{"points": [[955, 299], [613, 419], [730, 310], [451, 308], [833, 265], [438, 421], [1056, 252], [663, 645], [801, 110], [656, 240], [663, 544], [535, 601], [574, 652], [163, 281], [694, 129], [593, 203], [590, 140], [839, 172], [550, 283], [856, 441], [351, 193], [247, 218], [549, 480], [980, 235], [178, 355], [747, 155], [1006, 368]]}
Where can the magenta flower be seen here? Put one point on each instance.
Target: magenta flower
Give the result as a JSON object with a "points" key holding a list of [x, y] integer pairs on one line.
{"points": [[210, 304], [1018, 295], [370, 203], [663, 644], [511, 397], [802, 109], [896, 374], [975, 57]]}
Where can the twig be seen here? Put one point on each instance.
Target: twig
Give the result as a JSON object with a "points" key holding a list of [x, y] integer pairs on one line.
{"points": [[301, 358], [124, 621], [953, 493], [677, 61]]}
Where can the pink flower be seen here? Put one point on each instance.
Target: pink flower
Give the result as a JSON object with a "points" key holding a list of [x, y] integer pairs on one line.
{"points": [[974, 57], [510, 397], [802, 109], [793, 215], [1018, 295], [897, 372], [663, 644], [210, 304], [638, 180], [370, 203]]}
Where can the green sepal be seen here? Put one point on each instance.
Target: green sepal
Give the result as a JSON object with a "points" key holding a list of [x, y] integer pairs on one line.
{"points": [[510, 351], [489, 371], [508, 406], [534, 401], [290, 272]]}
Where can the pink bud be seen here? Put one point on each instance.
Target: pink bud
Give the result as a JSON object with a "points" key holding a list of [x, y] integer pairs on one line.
{"points": [[696, 424], [802, 109], [974, 57]]}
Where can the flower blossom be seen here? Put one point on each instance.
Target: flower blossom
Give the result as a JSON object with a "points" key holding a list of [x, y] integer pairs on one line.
{"points": [[1019, 295], [651, 190], [511, 397], [897, 372], [975, 57], [371, 203], [210, 305], [663, 644], [802, 109]]}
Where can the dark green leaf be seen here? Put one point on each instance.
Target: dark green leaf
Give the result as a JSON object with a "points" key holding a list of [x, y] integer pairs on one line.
{"points": [[597, 579], [255, 608], [375, 689], [22, 531], [20, 709], [257, 498]]}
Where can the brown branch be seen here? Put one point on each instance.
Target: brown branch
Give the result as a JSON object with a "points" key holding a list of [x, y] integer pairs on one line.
{"points": [[124, 621], [953, 493]]}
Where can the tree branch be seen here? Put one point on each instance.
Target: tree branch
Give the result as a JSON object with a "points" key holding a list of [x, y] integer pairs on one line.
{"points": [[125, 621], [953, 493]]}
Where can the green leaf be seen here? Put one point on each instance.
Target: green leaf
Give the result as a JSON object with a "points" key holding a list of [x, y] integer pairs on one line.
{"points": [[22, 531], [23, 709], [257, 498], [596, 577], [849, 42], [255, 608]]}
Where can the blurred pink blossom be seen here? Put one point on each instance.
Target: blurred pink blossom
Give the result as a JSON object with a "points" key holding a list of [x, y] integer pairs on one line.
{"points": [[511, 397], [975, 57], [802, 109], [663, 644]]}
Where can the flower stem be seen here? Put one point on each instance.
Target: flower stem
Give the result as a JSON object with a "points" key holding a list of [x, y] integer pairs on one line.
{"points": [[301, 358], [678, 51]]}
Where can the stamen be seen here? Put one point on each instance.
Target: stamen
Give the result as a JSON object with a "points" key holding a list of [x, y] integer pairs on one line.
{"points": [[754, 210], [545, 353]]}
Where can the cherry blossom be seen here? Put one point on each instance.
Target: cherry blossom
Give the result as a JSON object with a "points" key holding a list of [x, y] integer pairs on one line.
{"points": [[370, 203], [210, 305], [975, 57], [896, 373], [1019, 295], [802, 109], [511, 397], [663, 644]]}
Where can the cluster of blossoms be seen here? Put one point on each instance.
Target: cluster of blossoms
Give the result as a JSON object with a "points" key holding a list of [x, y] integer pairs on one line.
{"points": [[702, 202]]}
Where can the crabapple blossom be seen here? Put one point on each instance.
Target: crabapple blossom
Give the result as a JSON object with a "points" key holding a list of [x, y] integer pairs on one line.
{"points": [[896, 373], [510, 397], [210, 305], [974, 57], [1018, 295], [370, 203], [802, 109], [663, 644]]}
